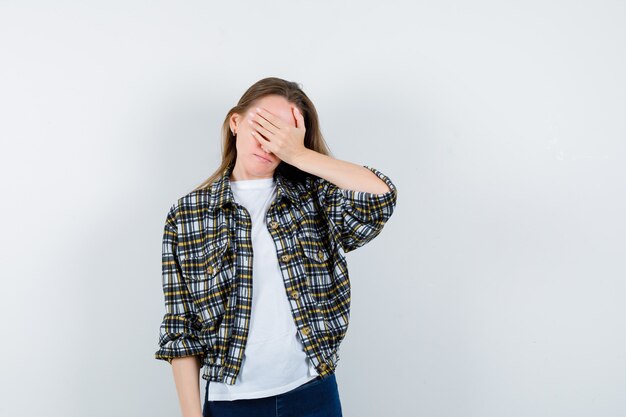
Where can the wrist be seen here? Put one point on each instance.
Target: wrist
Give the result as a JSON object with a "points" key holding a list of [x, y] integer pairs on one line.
{"points": [[300, 159]]}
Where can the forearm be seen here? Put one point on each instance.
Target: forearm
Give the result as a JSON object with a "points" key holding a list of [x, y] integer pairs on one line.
{"points": [[186, 377], [343, 174]]}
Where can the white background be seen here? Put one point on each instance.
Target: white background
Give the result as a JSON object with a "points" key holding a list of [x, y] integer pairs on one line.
{"points": [[501, 273]]}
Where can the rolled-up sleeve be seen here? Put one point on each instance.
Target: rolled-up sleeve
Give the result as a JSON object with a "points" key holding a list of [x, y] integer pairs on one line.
{"points": [[180, 328], [357, 216]]}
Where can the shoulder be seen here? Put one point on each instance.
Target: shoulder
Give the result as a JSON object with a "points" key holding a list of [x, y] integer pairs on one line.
{"points": [[195, 199], [189, 206]]}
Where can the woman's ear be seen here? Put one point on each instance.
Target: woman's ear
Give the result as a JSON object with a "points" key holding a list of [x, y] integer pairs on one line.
{"points": [[234, 122]]}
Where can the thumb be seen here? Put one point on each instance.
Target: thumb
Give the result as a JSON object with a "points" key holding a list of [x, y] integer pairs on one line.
{"points": [[299, 117]]}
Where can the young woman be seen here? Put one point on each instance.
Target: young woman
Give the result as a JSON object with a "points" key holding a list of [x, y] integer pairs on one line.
{"points": [[255, 277]]}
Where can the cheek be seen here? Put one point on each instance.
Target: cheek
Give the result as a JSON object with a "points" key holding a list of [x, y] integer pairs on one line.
{"points": [[246, 141]]}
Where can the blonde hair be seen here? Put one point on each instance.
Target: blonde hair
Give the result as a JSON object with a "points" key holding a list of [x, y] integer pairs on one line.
{"points": [[292, 92]]}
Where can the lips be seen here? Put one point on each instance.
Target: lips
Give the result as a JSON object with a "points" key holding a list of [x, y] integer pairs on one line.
{"points": [[264, 159]]}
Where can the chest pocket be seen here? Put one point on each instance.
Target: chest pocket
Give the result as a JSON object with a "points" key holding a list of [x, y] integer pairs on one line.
{"points": [[206, 264], [317, 264], [206, 256]]}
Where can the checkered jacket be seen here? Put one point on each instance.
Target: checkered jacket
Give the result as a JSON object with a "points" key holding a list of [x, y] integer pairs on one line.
{"points": [[207, 268]]}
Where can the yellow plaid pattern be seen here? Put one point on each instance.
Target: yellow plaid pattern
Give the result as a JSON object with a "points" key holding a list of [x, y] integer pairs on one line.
{"points": [[207, 267]]}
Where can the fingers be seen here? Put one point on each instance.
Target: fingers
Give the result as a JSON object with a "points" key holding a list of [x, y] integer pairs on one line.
{"points": [[262, 141], [267, 119], [263, 131]]}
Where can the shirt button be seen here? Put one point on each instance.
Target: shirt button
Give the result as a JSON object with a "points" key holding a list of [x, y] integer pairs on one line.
{"points": [[322, 366], [306, 330], [284, 258], [274, 224], [320, 255], [209, 270], [294, 294]]}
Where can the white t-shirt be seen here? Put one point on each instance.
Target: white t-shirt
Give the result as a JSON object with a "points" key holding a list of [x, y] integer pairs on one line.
{"points": [[274, 360]]}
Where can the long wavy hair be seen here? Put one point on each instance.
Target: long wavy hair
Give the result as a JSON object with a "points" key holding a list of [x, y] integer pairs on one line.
{"points": [[292, 92]]}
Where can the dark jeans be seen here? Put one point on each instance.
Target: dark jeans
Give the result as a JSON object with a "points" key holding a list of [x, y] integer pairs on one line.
{"points": [[317, 398]]}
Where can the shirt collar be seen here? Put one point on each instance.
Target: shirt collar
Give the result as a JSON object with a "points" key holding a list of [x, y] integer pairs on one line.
{"points": [[222, 194]]}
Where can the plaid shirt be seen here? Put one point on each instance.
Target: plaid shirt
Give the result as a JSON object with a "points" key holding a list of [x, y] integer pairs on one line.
{"points": [[207, 268]]}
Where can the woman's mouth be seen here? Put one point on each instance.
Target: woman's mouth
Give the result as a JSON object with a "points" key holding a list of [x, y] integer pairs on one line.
{"points": [[262, 159]]}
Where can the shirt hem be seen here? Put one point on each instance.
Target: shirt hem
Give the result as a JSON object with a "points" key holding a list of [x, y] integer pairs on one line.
{"points": [[265, 393]]}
